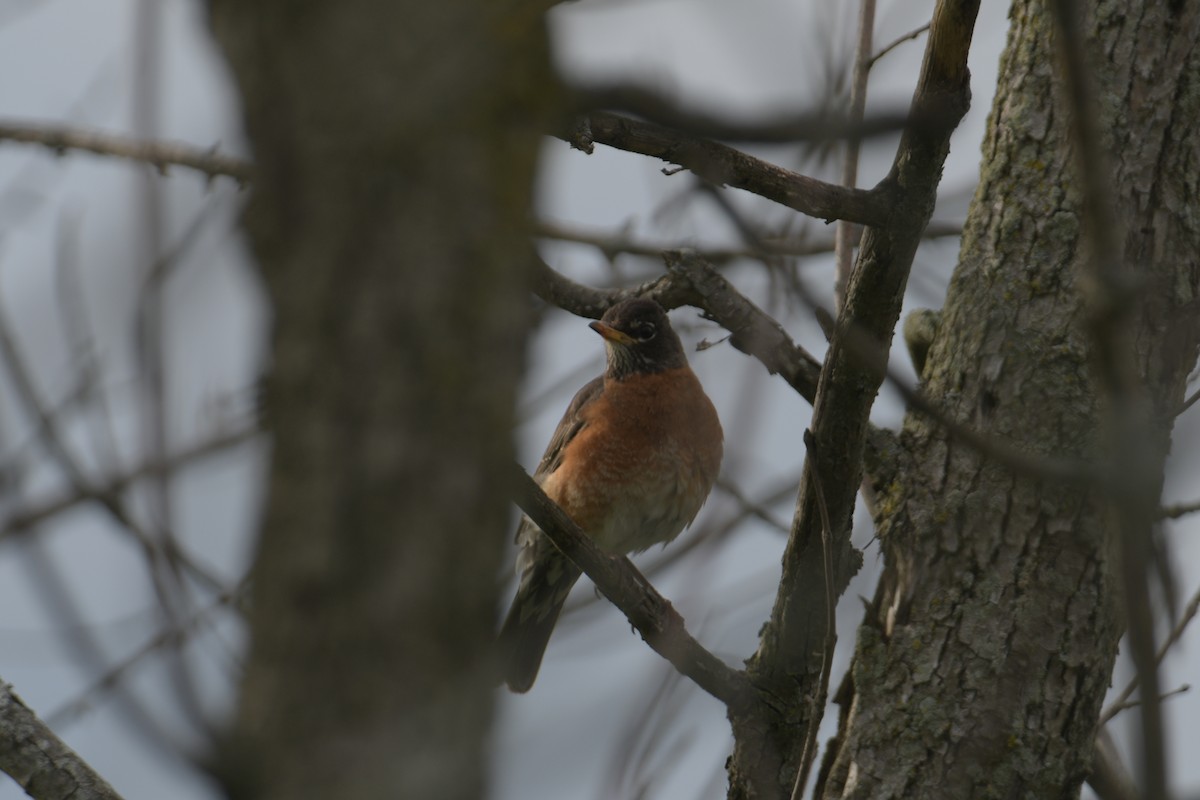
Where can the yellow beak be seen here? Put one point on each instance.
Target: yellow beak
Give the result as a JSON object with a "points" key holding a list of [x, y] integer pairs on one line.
{"points": [[612, 334]]}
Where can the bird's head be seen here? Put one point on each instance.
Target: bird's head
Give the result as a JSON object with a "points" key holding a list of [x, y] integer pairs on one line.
{"points": [[639, 338]]}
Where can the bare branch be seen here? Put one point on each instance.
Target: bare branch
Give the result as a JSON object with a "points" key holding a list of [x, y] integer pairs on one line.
{"points": [[1191, 401], [809, 753], [690, 281], [170, 636], [897, 42], [39, 761], [160, 155], [36, 409], [844, 242], [707, 537], [660, 109], [613, 244], [1128, 704], [1179, 510], [1109, 779], [788, 662], [108, 492], [1119, 703], [724, 165], [647, 610]]}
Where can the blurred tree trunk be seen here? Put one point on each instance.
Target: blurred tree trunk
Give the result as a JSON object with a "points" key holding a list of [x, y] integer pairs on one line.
{"points": [[394, 145], [982, 665]]}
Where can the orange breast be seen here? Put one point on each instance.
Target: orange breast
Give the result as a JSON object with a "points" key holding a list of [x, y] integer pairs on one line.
{"points": [[641, 467]]}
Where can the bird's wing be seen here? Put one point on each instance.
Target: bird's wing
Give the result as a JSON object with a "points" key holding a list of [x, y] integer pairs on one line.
{"points": [[570, 425]]}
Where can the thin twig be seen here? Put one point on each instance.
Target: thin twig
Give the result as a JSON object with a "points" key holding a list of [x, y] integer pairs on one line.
{"points": [[614, 244], [1108, 777], [1191, 401], [36, 409], [160, 155], [166, 573], [168, 637], [1189, 613], [897, 42], [785, 662], [844, 236], [107, 493], [56, 595], [809, 753], [79, 332], [724, 165], [1179, 510], [748, 507], [1128, 704], [611, 245]]}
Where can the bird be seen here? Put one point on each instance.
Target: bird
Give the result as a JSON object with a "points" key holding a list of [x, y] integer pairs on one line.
{"points": [[631, 462]]}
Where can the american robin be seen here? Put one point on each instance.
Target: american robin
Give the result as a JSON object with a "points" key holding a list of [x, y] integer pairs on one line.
{"points": [[631, 462]]}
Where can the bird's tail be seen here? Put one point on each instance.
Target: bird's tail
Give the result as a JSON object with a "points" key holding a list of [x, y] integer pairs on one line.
{"points": [[526, 632]]}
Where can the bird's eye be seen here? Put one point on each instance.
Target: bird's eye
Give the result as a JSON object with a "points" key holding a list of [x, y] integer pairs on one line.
{"points": [[645, 331]]}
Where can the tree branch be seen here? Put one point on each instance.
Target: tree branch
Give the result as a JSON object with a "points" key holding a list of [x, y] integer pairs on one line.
{"points": [[658, 108], [108, 492], [844, 236], [614, 244], [36, 409], [788, 662], [158, 154], [726, 166], [897, 42], [1120, 702], [691, 281], [1179, 510], [648, 611], [1109, 779], [33, 756]]}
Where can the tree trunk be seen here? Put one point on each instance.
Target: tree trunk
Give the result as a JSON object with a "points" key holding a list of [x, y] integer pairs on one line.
{"points": [[394, 145], [981, 667]]}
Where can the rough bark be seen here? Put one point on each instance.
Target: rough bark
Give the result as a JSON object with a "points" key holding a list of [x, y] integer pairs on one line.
{"points": [[41, 763], [819, 560], [394, 155], [981, 667]]}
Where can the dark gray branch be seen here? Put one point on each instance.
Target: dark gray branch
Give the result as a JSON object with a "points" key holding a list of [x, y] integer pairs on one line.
{"points": [[691, 281], [653, 615], [658, 108], [160, 155], [109, 492], [726, 166], [33, 756], [788, 662]]}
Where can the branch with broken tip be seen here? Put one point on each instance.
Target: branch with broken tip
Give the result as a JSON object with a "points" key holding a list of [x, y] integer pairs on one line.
{"points": [[648, 611]]}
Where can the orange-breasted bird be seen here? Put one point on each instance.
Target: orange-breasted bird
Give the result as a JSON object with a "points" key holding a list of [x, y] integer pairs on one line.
{"points": [[631, 462]]}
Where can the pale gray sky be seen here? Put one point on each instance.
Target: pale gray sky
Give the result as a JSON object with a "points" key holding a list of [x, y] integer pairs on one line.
{"points": [[71, 61]]}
